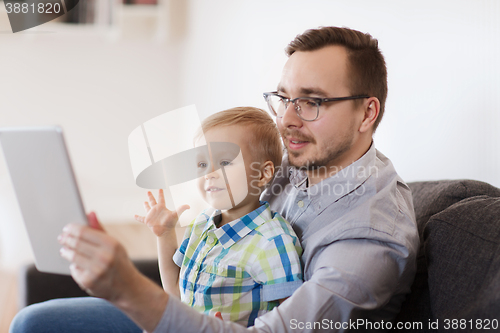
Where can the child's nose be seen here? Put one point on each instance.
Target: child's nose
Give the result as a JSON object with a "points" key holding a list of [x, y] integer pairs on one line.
{"points": [[213, 174]]}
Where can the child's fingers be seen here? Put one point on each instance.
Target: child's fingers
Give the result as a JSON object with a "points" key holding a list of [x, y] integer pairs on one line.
{"points": [[182, 209], [139, 218], [147, 207], [152, 200]]}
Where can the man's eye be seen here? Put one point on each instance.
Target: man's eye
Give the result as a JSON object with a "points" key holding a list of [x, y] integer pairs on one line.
{"points": [[202, 165], [225, 163]]}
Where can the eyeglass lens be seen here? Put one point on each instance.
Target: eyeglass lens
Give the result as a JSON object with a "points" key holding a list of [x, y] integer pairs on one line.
{"points": [[306, 108]]}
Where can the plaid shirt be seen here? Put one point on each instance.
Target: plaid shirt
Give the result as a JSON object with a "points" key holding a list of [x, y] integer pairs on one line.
{"points": [[241, 269]]}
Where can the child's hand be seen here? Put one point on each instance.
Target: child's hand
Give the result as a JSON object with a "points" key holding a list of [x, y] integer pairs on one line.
{"points": [[158, 218]]}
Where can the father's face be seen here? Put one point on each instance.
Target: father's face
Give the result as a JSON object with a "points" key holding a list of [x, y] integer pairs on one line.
{"points": [[328, 140]]}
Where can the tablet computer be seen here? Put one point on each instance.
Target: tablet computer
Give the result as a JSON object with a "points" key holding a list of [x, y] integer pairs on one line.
{"points": [[46, 190]]}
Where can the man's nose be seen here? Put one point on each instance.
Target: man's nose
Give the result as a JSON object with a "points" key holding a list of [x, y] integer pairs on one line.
{"points": [[290, 117]]}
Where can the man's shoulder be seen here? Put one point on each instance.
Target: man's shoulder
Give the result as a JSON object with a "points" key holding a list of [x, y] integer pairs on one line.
{"points": [[381, 209], [390, 191]]}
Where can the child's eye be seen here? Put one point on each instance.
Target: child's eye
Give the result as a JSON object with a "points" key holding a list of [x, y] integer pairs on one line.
{"points": [[225, 163], [202, 165]]}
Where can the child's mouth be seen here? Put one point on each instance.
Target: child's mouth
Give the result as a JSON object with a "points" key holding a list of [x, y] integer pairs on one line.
{"points": [[214, 189]]}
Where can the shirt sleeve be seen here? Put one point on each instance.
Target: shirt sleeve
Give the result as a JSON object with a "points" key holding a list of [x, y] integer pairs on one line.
{"points": [[352, 278], [278, 267]]}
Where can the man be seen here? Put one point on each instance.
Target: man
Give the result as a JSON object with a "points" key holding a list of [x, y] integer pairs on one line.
{"points": [[353, 214]]}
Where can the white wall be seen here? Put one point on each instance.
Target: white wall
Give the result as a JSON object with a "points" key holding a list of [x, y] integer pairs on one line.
{"points": [[441, 114], [442, 57]]}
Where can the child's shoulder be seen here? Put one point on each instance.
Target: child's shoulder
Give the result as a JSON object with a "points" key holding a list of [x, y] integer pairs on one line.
{"points": [[201, 219], [205, 215], [276, 226]]}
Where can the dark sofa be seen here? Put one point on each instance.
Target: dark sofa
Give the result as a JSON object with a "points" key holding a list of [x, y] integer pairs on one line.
{"points": [[458, 266]]}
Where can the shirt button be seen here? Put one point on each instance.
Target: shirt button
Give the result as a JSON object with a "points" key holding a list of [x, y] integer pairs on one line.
{"points": [[300, 204], [210, 240], [221, 270]]}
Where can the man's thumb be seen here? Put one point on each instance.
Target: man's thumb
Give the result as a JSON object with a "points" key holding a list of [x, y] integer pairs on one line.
{"points": [[93, 222]]}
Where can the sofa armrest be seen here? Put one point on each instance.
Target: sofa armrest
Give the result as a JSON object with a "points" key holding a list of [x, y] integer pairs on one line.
{"points": [[35, 286]]}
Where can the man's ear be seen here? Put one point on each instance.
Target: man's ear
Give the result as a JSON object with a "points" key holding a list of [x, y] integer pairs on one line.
{"points": [[266, 173], [371, 111]]}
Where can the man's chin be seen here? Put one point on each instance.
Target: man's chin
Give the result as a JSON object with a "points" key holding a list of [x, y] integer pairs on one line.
{"points": [[300, 160], [300, 163], [304, 163], [297, 160]]}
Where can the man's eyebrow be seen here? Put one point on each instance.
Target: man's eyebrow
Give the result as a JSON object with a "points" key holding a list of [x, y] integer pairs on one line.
{"points": [[313, 91], [280, 88], [305, 91]]}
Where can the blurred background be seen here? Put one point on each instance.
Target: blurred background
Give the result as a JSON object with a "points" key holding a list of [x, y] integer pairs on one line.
{"points": [[113, 66]]}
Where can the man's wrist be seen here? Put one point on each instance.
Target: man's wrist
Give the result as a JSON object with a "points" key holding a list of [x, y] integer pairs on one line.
{"points": [[144, 302]]}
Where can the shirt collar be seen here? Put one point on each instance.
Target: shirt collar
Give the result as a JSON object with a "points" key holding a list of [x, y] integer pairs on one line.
{"points": [[345, 181], [235, 230]]}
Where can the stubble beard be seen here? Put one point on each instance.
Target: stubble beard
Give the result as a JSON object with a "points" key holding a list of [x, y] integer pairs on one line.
{"points": [[321, 160]]}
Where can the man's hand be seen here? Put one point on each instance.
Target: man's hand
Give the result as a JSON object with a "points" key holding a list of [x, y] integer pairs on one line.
{"points": [[158, 218], [100, 266], [99, 263]]}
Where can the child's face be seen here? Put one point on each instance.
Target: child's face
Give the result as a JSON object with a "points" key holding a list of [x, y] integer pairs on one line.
{"points": [[228, 153]]}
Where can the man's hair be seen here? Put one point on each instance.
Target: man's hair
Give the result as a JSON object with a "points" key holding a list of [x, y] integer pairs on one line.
{"points": [[263, 139], [367, 69]]}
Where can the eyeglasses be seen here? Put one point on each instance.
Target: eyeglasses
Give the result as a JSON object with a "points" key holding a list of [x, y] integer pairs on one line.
{"points": [[307, 108]]}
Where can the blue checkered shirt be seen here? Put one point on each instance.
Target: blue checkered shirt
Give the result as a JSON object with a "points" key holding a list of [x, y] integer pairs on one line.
{"points": [[241, 269]]}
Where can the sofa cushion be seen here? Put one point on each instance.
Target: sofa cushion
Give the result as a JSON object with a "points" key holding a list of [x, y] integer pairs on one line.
{"points": [[430, 198], [462, 247], [433, 197]]}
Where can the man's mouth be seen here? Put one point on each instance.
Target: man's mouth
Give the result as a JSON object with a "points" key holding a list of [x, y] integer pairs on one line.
{"points": [[294, 143]]}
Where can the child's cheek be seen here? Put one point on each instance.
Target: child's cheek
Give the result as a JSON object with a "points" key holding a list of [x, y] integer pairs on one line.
{"points": [[237, 179]]}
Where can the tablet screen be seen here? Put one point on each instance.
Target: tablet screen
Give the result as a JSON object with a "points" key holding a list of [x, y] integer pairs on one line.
{"points": [[46, 189]]}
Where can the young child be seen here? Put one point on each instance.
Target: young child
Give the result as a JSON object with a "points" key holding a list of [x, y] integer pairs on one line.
{"points": [[240, 258]]}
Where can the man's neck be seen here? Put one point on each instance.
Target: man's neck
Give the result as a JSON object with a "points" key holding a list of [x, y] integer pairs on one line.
{"points": [[355, 153]]}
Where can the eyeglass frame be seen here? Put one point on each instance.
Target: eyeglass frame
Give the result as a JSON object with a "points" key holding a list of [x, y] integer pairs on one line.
{"points": [[318, 101]]}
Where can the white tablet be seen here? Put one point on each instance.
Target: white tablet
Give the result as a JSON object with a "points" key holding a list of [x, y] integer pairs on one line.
{"points": [[46, 189]]}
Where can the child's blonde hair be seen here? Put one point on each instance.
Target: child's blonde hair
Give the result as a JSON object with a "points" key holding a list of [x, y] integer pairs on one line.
{"points": [[264, 139]]}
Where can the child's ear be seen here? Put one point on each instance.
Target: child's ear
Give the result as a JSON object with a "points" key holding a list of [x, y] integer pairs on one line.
{"points": [[266, 173]]}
